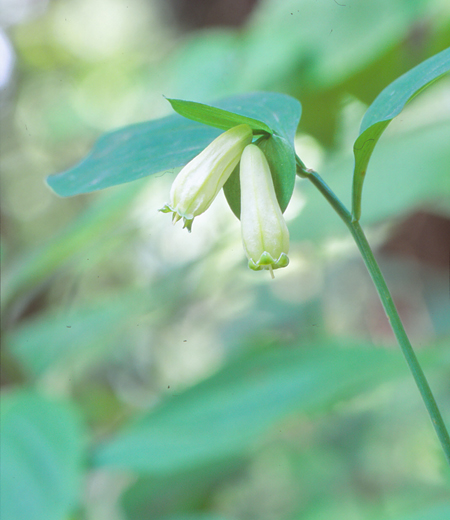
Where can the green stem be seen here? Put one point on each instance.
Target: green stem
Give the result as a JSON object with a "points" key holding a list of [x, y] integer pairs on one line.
{"points": [[386, 300]]}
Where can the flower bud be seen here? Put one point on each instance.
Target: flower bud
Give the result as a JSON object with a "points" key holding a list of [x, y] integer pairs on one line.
{"points": [[198, 183], [264, 232]]}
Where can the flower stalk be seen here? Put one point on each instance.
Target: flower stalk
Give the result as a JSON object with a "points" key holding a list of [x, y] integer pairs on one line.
{"points": [[387, 302]]}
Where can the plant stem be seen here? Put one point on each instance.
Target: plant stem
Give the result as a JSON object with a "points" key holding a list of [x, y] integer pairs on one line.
{"points": [[386, 300]]}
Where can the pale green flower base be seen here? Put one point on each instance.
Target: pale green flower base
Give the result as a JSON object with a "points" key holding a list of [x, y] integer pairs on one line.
{"points": [[266, 261], [187, 222]]}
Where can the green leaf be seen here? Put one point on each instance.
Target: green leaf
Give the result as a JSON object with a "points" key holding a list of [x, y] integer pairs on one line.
{"points": [[386, 106], [163, 495], [278, 111], [226, 414], [99, 219], [195, 516], [436, 512], [216, 117], [60, 339], [134, 152], [420, 161], [41, 456], [232, 191], [281, 158], [147, 148], [81, 335]]}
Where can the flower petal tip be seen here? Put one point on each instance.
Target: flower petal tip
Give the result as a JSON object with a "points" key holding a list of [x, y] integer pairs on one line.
{"points": [[187, 222], [267, 262], [165, 209]]}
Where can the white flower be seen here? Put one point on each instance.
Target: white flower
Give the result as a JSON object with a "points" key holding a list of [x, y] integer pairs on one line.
{"points": [[198, 183], [264, 232]]}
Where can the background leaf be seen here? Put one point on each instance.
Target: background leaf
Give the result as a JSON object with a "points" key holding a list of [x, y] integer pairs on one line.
{"points": [[41, 458], [438, 512], [99, 219], [224, 415], [386, 106], [196, 516], [161, 495], [65, 337]]}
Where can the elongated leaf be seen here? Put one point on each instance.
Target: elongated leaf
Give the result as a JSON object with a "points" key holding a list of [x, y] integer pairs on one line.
{"points": [[83, 333], [386, 106], [281, 158], [436, 512], [58, 339], [41, 457], [223, 416], [278, 111], [134, 152], [97, 220], [216, 117], [163, 495], [143, 149], [422, 155], [195, 516]]}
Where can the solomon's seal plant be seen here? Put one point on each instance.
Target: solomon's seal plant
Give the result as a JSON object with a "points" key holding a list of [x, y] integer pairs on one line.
{"points": [[258, 131], [264, 232]]}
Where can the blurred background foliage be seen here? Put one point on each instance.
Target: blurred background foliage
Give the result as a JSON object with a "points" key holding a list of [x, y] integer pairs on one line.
{"points": [[148, 374]]}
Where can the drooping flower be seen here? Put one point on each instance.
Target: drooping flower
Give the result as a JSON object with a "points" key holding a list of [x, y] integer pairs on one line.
{"points": [[264, 232], [198, 183]]}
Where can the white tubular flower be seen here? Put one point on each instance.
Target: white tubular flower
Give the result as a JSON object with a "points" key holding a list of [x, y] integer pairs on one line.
{"points": [[198, 183], [264, 232]]}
